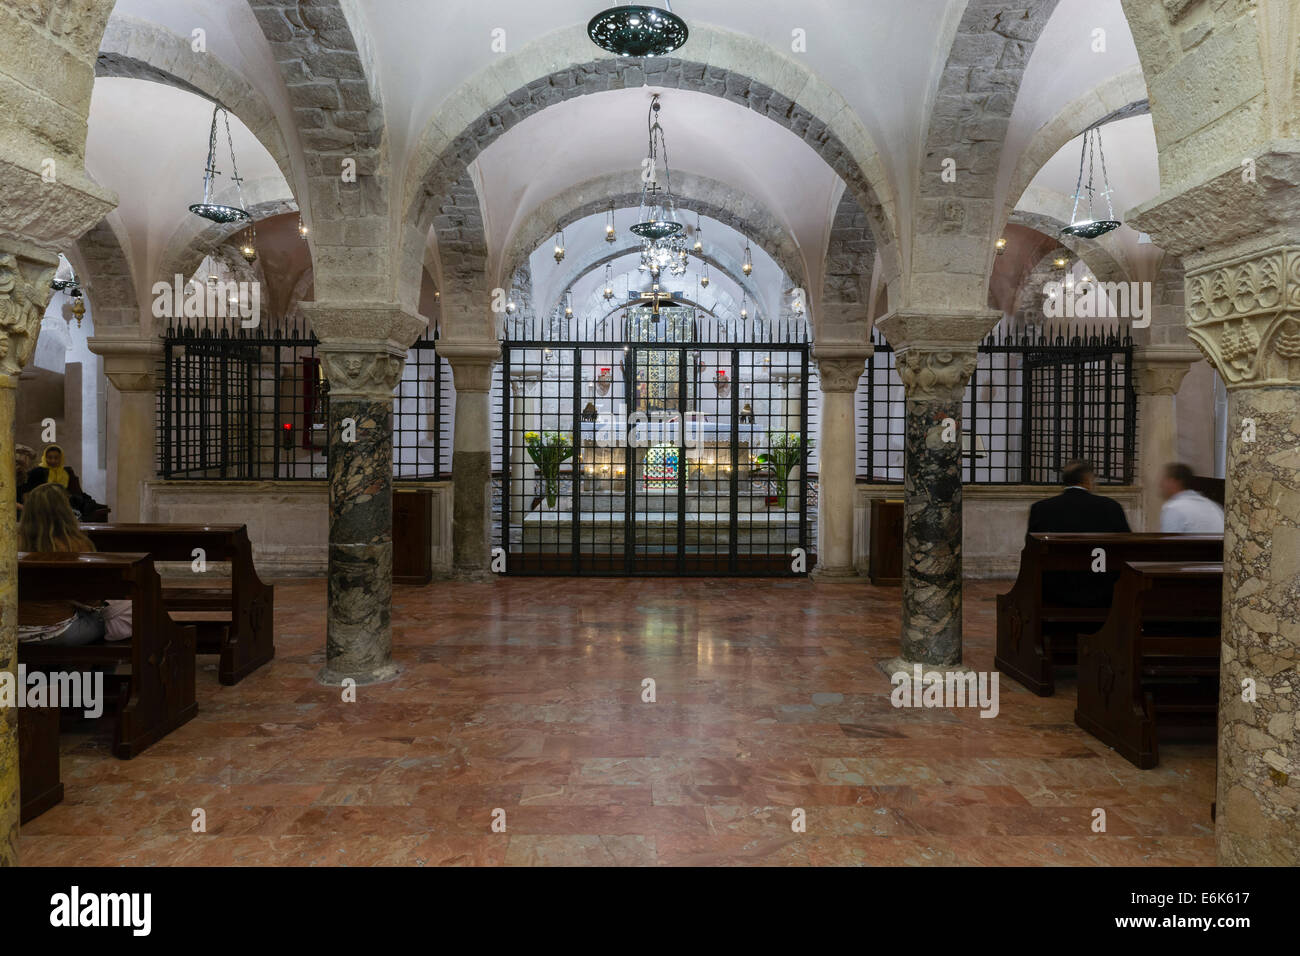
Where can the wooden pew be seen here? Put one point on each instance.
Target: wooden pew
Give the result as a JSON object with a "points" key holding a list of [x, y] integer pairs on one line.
{"points": [[39, 784], [1034, 634], [158, 695], [247, 640], [1153, 668]]}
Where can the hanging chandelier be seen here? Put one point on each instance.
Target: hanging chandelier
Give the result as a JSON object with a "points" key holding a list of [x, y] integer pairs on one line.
{"points": [[663, 239], [1091, 227], [638, 30], [216, 212]]}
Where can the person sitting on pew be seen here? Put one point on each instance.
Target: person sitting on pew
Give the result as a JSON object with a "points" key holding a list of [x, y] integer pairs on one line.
{"points": [[1186, 511], [52, 471], [1078, 509], [49, 525]]}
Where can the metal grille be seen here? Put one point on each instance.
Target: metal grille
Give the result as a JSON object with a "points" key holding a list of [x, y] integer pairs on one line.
{"points": [[1038, 398], [253, 405], [655, 443]]}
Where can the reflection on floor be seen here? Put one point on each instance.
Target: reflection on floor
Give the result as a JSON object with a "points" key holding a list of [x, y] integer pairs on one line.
{"points": [[526, 695]]}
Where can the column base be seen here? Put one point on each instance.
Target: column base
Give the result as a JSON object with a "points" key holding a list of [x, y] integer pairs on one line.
{"points": [[383, 674], [832, 574], [891, 667]]}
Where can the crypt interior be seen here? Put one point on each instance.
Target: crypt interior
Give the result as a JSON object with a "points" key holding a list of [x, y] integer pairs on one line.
{"points": [[605, 486]]}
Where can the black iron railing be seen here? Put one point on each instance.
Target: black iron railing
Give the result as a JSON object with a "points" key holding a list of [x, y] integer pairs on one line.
{"points": [[253, 405], [1038, 398]]}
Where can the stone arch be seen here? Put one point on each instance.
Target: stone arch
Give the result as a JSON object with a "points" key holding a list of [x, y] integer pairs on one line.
{"points": [[1105, 267], [329, 73], [136, 49], [708, 197], [598, 257], [845, 301], [1119, 97], [440, 186], [106, 277], [952, 248]]}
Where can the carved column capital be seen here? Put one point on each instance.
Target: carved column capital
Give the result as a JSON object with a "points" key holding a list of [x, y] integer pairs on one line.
{"points": [[1244, 316], [933, 373], [130, 364], [24, 293], [363, 346], [1160, 370], [358, 372], [840, 367], [471, 363]]}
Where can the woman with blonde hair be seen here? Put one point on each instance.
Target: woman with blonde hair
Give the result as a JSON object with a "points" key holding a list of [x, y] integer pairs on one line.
{"points": [[49, 525]]}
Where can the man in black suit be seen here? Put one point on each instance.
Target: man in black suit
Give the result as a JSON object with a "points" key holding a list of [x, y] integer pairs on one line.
{"points": [[1078, 509]]}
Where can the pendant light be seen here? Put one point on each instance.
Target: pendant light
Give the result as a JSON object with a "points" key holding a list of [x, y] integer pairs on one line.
{"points": [[302, 228], [704, 276], [1091, 227], [609, 281], [216, 212], [559, 245], [744, 305], [638, 30], [248, 248], [610, 234], [699, 236], [568, 304], [65, 280], [748, 267], [661, 232]]}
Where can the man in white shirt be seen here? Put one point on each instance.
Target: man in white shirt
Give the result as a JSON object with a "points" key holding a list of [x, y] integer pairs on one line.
{"points": [[1186, 511]]}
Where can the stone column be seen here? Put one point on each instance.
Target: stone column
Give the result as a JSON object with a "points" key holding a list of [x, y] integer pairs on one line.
{"points": [[24, 293], [1158, 372], [936, 355], [1251, 332], [362, 374], [839, 368], [471, 458], [521, 466], [130, 365]]}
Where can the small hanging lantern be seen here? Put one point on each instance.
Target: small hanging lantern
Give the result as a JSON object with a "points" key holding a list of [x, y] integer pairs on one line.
{"points": [[610, 234], [78, 305], [609, 282], [1000, 246], [798, 303], [302, 228], [568, 304], [748, 267], [1091, 227], [699, 236], [637, 30], [704, 276], [1061, 261], [248, 248], [216, 212], [744, 305], [559, 246]]}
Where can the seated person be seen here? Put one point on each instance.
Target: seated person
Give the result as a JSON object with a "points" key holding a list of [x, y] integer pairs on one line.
{"points": [[52, 471], [24, 458], [50, 525], [1186, 511], [1078, 509]]}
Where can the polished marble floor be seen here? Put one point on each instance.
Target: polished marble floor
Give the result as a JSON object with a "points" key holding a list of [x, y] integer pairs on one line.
{"points": [[525, 695]]}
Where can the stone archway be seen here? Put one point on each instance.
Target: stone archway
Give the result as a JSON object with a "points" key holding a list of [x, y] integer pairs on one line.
{"points": [[441, 185]]}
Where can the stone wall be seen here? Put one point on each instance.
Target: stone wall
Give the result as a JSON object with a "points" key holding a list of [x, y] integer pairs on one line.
{"points": [[994, 518], [287, 520]]}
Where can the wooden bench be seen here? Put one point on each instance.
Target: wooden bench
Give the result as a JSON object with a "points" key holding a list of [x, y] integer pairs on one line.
{"points": [[39, 783], [1153, 668], [247, 640], [1035, 635], [158, 695]]}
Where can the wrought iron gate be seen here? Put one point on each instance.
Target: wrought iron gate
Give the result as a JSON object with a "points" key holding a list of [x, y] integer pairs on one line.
{"points": [[658, 443]]}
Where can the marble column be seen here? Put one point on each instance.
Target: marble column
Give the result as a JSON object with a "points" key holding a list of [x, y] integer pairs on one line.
{"points": [[471, 459], [839, 368], [1244, 314], [130, 365], [362, 374], [24, 293], [1158, 372], [935, 355]]}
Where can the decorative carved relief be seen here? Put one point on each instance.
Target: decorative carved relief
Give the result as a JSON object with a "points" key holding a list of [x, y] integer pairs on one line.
{"points": [[840, 375], [366, 374], [1244, 316], [935, 373], [22, 305]]}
